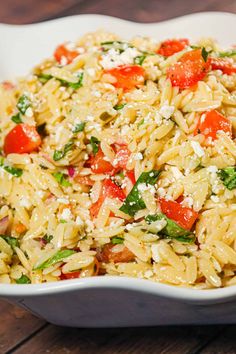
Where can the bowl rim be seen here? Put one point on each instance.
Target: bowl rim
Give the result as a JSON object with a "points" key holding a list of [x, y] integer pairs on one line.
{"points": [[119, 282]]}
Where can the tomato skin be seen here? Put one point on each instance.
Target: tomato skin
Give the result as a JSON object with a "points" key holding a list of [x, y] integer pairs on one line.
{"points": [[110, 190], [85, 180], [107, 255], [188, 70], [172, 46], [62, 52], [225, 65], [183, 216], [23, 138], [130, 174], [212, 123], [71, 275], [122, 156], [99, 164], [127, 76]]}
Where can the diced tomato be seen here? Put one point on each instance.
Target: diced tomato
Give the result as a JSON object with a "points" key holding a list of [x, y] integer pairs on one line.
{"points": [[85, 180], [96, 267], [122, 156], [23, 138], [180, 199], [110, 190], [99, 164], [127, 76], [109, 254], [183, 216], [130, 174], [189, 69], [62, 52], [172, 46], [8, 85], [211, 122], [71, 275], [225, 65]]}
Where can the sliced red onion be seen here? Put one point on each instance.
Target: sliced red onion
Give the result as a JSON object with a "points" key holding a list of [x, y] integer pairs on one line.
{"points": [[71, 171], [4, 222]]}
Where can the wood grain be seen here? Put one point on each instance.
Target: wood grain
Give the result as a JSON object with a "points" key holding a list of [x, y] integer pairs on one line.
{"points": [[16, 325], [225, 343]]}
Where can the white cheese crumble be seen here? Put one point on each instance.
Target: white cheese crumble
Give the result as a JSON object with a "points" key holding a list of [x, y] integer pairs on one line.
{"points": [[66, 214], [113, 58], [29, 112], [197, 148], [176, 172], [79, 221], [25, 202], [138, 156], [166, 111], [212, 169], [215, 199], [161, 192], [91, 71], [142, 187]]}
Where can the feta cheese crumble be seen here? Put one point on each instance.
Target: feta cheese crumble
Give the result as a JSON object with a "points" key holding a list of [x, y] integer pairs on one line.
{"points": [[113, 58]]}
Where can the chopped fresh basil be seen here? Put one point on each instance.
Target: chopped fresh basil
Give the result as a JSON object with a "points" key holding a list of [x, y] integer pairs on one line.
{"points": [[119, 106], [23, 280], [205, 54], [58, 257], [12, 241], [17, 118], [1, 161], [61, 179], [44, 77], [16, 172], [95, 144], [172, 229], [230, 53], [23, 104], [141, 122], [139, 59], [59, 154], [194, 47], [47, 238], [117, 240], [74, 85], [228, 177], [134, 201], [62, 221], [117, 45], [78, 127]]}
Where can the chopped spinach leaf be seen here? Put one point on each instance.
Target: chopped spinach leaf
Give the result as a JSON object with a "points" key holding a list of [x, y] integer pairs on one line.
{"points": [[59, 154], [23, 280], [228, 177], [119, 106], [12, 241], [44, 77], [172, 229], [117, 45], [139, 59], [134, 201], [17, 118], [74, 85], [16, 172], [61, 179], [230, 53], [205, 54], [95, 144], [58, 257], [78, 127], [117, 240], [23, 104], [141, 122], [62, 221]]}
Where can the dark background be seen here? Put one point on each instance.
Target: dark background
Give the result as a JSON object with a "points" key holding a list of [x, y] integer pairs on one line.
{"points": [[23, 333]]}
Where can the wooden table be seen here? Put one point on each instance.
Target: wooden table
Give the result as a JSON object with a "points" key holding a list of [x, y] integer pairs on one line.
{"points": [[20, 332]]}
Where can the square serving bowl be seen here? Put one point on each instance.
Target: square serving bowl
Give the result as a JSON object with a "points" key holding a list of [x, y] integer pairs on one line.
{"points": [[113, 301]]}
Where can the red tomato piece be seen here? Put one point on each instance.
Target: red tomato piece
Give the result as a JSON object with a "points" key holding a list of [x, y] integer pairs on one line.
{"points": [[225, 65], [71, 275], [127, 76], [188, 70], [108, 255], [62, 52], [85, 180], [172, 46], [23, 138], [99, 164], [122, 156], [130, 174], [211, 122], [183, 216], [110, 190]]}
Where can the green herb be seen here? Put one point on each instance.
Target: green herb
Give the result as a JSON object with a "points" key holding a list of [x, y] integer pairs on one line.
{"points": [[44, 77], [47, 238], [228, 177], [16, 172], [205, 54], [74, 85], [117, 45], [17, 118], [172, 229], [119, 106], [23, 280], [117, 240], [12, 241], [195, 47], [1, 161], [62, 221], [59, 256], [59, 154], [61, 179], [95, 144], [78, 127], [230, 53], [141, 123], [134, 201], [23, 104], [139, 59]]}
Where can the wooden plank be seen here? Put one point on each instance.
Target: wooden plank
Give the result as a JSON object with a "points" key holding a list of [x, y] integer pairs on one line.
{"points": [[178, 340], [224, 343], [16, 325], [18, 12], [152, 10]]}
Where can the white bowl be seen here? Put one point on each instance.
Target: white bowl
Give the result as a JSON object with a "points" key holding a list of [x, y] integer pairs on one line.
{"points": [[113, 301]]}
